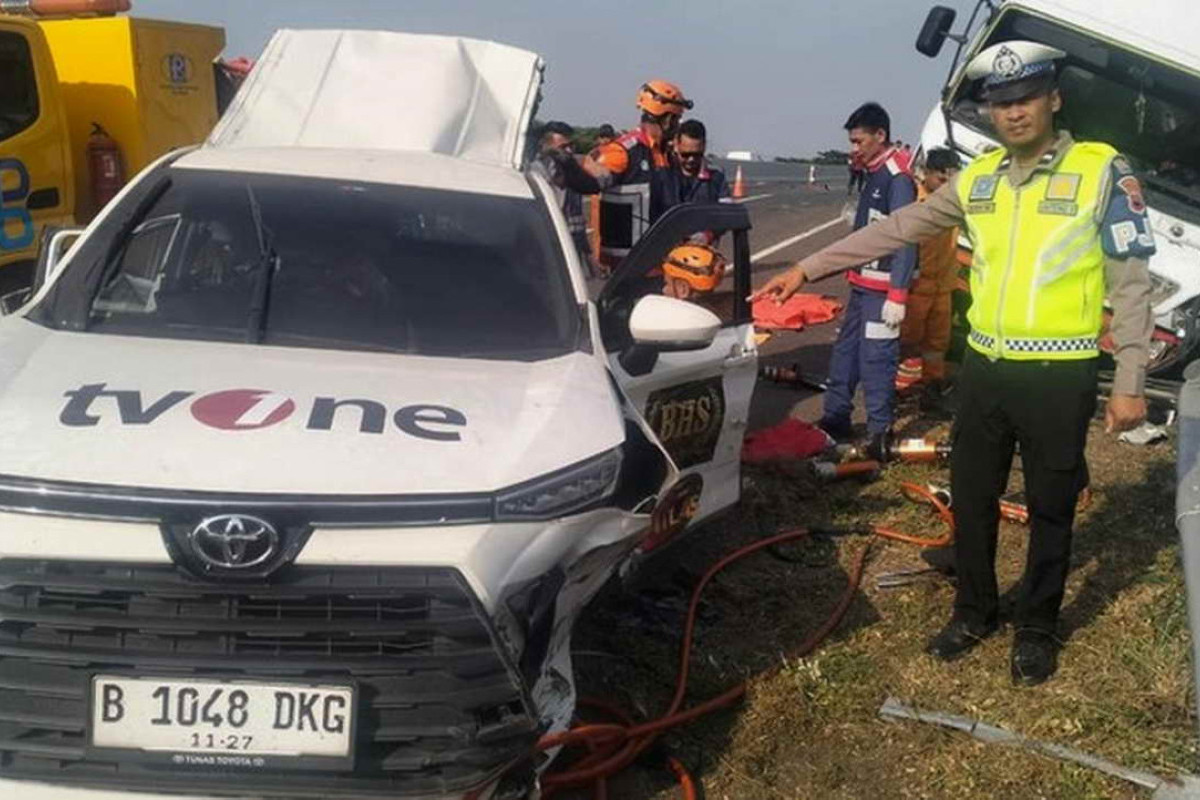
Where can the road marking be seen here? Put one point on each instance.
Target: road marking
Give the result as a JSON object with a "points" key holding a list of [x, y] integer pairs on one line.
{"points": [[752, 198], [775, 248]]}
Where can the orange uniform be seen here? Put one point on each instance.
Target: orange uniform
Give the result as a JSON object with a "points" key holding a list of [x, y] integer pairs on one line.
{"points": [[925, 335]]}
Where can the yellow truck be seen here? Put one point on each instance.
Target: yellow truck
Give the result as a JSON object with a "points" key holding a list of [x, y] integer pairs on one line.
{"points": [[86, 102]]}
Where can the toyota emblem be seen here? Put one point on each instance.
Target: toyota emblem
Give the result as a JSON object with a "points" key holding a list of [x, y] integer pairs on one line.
{"points": [[234, 541]]}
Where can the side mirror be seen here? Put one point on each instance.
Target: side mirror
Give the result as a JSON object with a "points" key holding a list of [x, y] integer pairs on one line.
{"points": [[55, 245], [664, 323], [936, 30]]}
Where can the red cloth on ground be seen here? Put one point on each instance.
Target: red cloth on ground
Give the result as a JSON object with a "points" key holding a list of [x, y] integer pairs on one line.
{"points": [[792, 438], [799, 310]]}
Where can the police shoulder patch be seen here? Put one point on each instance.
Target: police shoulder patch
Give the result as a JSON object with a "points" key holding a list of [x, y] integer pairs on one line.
{"points": [[1132, 188]]}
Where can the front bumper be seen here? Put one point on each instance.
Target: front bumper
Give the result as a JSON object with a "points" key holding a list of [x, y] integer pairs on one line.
{"points": [[441, 708], [79, 595]]}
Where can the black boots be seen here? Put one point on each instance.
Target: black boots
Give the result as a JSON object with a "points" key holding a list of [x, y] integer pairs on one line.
{"points": [[957, 639], [1034, 656]]}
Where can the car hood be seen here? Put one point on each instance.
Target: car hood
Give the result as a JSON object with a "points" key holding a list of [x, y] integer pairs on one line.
{"points": [[171, 414]]}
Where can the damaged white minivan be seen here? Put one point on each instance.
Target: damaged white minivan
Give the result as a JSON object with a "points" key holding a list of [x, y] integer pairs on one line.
{"points": [[316, 442]]}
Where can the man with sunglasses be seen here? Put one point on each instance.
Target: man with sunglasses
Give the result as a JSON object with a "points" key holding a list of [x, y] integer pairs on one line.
{"points": [[693, 180]]}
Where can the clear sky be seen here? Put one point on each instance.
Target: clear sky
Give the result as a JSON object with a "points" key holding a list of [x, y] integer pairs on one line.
{"points": [[775, 76]]}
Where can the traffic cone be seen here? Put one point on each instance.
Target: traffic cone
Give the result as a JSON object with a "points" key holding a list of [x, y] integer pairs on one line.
{"points": [[739, 187]]}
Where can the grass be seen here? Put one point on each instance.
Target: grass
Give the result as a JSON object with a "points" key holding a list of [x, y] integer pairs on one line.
{"points": [[810, 729]]}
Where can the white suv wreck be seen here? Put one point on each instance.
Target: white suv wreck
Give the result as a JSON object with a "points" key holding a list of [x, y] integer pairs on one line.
{"points": [[315, 443]]}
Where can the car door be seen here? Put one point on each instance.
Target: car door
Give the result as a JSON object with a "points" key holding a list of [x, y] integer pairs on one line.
{"points": [[696, 402]]}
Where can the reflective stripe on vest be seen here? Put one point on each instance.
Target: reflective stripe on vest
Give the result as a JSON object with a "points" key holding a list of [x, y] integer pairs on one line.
{"points": [[626, 209], [1037, 277]]}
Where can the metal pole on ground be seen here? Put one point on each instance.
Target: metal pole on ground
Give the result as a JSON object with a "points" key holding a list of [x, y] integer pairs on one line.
{"points": [[1187, 504]]}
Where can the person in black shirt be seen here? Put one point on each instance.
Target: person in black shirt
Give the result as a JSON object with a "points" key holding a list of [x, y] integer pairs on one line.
{"points": [[692, 179]]}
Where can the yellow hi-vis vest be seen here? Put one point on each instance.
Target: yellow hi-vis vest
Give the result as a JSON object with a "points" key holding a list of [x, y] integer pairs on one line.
{"points": [[1037, 277]]}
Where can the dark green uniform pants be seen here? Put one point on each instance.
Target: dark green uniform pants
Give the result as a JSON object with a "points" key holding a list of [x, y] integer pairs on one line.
{"points": [[1045, 406]]}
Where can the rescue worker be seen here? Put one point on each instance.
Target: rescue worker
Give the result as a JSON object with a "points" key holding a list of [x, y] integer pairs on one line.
{"points": [[692, 271], [1056, 226], [553, 145], [631, 171], [868, 344], [925, 334]]}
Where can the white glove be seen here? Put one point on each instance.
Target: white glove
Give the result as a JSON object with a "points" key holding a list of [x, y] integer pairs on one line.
{"points": [[892, 314]]}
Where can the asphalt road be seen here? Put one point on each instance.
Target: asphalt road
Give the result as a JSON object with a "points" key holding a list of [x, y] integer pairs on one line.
{"points": [[792, 220]]}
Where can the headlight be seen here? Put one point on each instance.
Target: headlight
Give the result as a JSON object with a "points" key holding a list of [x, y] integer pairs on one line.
{"points": [[1161, 289], [562, 492]]}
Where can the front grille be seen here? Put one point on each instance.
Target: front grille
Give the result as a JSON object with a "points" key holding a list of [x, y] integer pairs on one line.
{"points": [[440, 711]]}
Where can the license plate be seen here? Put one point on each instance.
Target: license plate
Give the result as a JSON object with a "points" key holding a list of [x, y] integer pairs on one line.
{"points": [[223, 723]]}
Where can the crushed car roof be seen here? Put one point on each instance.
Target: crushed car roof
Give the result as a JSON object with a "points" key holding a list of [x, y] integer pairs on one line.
{"points": [[425, 170], [386, 91]]}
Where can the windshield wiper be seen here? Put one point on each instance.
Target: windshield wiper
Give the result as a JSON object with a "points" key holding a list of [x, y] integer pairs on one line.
{"points": [[268, 264]]}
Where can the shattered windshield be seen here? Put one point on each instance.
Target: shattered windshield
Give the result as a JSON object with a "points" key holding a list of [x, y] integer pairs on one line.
{"points": [[1147, 110], [321, 263]]}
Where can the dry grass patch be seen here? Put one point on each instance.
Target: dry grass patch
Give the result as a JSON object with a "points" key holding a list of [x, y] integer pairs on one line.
{"points": [[810, 729]]}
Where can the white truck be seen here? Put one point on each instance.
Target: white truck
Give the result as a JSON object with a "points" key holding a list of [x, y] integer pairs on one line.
{"points": [[315, 442], [1131, 78]]}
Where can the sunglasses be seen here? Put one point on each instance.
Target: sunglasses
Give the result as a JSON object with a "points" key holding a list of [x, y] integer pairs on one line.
{"points": [[691, 156]]}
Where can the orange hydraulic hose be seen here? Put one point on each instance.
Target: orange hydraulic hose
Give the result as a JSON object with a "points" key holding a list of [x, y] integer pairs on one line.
{"points": [[915, 492], [618, 746], [614, 746], [684, 777]]}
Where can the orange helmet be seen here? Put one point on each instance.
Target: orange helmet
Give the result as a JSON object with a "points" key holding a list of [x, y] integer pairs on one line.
{"points": [[701, 266], [660, 97]]}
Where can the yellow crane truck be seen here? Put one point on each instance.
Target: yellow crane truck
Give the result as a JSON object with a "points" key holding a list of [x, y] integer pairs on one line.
{"points": [[88, 97]]}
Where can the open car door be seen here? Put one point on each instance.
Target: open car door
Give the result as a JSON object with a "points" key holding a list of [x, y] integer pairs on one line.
{"points": [[697, 402]]}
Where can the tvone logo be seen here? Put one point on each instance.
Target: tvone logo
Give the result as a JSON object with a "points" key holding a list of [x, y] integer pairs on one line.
{"points": [[242, 409], [254, 409]]}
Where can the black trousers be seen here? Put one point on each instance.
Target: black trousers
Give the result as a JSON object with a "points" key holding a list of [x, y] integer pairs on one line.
{"points": [[1045, 406]]}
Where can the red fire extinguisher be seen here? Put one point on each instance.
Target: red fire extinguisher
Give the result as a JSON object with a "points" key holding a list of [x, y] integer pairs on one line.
{"points": [[106, 169]]}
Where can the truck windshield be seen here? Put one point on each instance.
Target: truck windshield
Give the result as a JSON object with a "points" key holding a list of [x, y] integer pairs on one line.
{"points": [[307, 262], [18, 86], [1146, 109]]}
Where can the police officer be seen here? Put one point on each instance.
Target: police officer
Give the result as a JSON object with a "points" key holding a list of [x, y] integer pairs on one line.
{"points": [[1056, 226], [631, 171]]}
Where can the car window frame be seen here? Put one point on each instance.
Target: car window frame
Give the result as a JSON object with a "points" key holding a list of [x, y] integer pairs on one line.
{"points": [[33, 84]]}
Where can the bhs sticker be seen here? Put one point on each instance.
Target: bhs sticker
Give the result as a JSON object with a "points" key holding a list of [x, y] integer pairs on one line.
{"points": [[688, 419]]}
